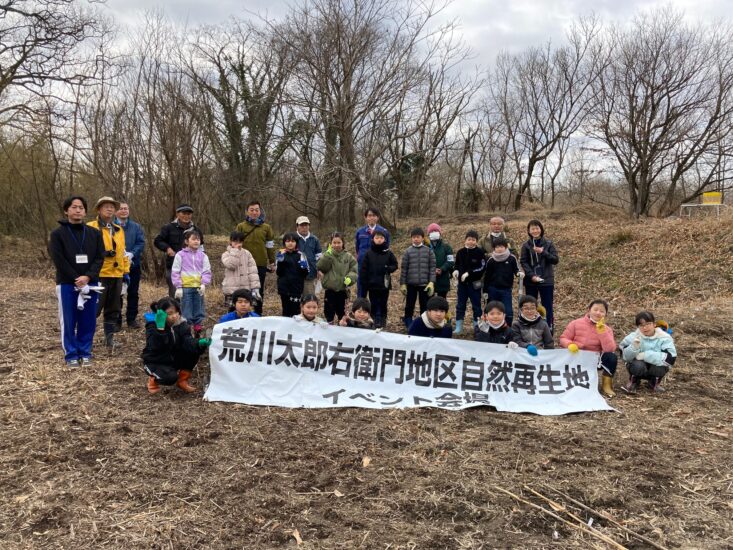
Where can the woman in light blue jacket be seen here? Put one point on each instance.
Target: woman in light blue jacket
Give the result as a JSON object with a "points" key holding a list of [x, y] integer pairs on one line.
{"points": [[649, 353]]}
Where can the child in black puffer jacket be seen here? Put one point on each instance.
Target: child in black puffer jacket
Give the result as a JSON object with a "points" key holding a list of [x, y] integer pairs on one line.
{"points": [[292, 269]]}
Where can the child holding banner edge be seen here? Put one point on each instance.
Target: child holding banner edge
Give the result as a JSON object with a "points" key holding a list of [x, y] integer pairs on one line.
{"points": [[530, 330], [492, 328]]}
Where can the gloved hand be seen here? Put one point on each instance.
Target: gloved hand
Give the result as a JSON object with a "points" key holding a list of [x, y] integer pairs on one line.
{"points": [[160, 318], [573, 348], [280, 256], [512, 345], [520, 274], [124, 289], [204, 342], [636, 344], [403, 290], [256, 294], [202, 290], [485, 297], [130, 256], [179, 294], [640, 356], [303, 264], [329, 250], [126, 279], [532, 350], [464, 277], [430, 289], [348, 281], [601, 326]]}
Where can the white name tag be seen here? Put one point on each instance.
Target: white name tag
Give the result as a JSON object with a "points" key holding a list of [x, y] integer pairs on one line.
{"points": [[82, 259]]}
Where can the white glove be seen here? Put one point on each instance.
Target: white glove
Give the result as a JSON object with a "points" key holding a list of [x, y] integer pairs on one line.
{"points": [[179, 293], [124, 289], [512, 345], [464, 277], [98, 289], [636, 343], [455, 275], [202, 290], [256, 294], [485, 297], [640, 356], [129, 256]]}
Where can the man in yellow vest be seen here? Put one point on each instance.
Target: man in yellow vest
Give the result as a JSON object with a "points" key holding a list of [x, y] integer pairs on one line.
{"points": [[116, 267]]}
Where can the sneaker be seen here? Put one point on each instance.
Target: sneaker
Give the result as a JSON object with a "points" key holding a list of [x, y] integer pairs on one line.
{"points": [[73, 364], [655, 386], [632, 386], [85, 362]]}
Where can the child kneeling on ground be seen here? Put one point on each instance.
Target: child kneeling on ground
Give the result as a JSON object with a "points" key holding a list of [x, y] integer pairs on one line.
{"points": [[171, 352], [649, 353], [590, 333], [241, 308], [432, 323], [530, 330], [492, 327], [360, 316]]}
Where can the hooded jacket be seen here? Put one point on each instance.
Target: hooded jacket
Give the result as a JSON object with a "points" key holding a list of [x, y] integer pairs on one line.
{"points": [[536, 333], [659, 348], [190, 269], [162, 346], [69, 240], [582, 332], [363, 239], [113, 238], [336, 266], [171, 236], [377, 266], [240, 270], [539, 264]]}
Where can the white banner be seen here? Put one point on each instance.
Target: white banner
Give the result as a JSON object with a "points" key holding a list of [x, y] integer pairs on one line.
{"points": [[286, 363]]}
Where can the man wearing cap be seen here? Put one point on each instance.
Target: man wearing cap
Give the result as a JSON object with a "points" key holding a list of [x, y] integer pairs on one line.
{"points": [[496, 230], [309, 245], [170, 240], [115, 268], [259, 240], [134, 245]]}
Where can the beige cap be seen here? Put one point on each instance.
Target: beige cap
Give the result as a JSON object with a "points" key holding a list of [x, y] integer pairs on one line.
{"points": [[105, 200], [302, 219]]}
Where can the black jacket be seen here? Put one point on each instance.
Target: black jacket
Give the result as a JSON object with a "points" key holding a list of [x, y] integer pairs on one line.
{"points": [[502, 335], [470, 260], [376, 267], [539, 264], [500, 274], [171, 235], [164, 347], [66, 243], [290, 276]]}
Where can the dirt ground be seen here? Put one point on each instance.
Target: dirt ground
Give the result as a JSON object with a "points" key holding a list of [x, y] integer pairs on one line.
{"points": [[89, 460]]}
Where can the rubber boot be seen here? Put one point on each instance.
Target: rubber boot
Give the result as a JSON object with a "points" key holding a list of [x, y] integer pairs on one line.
{"points": [[459, 327], [109, 335], [153, 386], [607, 386], [183, 376]]}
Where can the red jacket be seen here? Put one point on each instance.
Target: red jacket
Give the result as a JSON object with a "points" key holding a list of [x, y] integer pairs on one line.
{"points": [[583, 333]]}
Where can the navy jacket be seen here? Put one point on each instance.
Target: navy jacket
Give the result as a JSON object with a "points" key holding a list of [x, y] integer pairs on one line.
{"points": [[500, 274], [376, 268], [472, 261], [502, 335], [290, 276], [70, 240], [418, 328], [134, 239], [311, 247]]}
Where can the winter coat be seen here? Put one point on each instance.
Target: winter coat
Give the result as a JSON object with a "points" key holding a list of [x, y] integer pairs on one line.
{"points": [[487, 244], [658, 349], [420, 328], [418, 266], [190, 269], [260, 241], [353, 323], [232, 316], [444, 260], [500, 274], [171, 236], [336, 266], [376, 268], [70, 240], [311, 247], [363, 240], [536, 333], [290, 275], [471, 261], [134, 239], [539, 264], [582, 332], [113, 238], [502, 335], [161, 346], [240, 270]]}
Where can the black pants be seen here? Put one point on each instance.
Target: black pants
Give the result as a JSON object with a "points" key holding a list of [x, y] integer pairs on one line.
{"points": [[644, 370], [109, 302], [171, 286], [262, 272], [167, 375], [378, 299], [133, 296], [291, 305], [415, 293], [334, 303]]}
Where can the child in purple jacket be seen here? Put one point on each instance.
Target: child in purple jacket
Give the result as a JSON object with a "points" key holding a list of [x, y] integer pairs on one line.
{"points": [[190, 274]]}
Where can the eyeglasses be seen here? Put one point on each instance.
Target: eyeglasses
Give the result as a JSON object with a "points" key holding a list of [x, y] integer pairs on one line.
{"points": [[529, 308], [645, 324]]}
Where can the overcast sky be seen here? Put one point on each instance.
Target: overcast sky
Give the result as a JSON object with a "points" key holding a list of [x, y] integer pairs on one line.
{"points": [[488, 26]]}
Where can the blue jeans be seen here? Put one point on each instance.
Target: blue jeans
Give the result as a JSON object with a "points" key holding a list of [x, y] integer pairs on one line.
{"points": [[77, 325], [466, 292], [192, 306], [503, 295], [545, 294]]}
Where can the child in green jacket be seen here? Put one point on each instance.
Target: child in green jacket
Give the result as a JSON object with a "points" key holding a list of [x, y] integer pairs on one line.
{"points": [[339, 273]]}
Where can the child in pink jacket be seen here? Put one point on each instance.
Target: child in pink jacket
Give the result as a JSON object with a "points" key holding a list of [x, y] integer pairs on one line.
{"points": [[590, 333], [240, 270]]}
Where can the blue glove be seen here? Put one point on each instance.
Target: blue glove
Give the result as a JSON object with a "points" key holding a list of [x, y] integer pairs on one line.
{"points": [[532, 350], [126, 279], [303, 264], [280, 256]]}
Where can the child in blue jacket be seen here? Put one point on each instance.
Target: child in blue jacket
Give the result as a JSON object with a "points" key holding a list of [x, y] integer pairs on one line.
{"points": [[649, 353]]}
